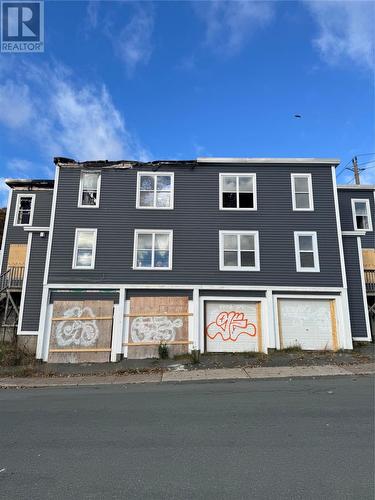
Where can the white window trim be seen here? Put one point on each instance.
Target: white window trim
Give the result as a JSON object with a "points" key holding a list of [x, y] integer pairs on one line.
{"points": [[368, 209], [17, 206], [239, 268], [92, 265], [311, 196], [154, 174], [316, 268], [152, 231], [230, 174], [80, 205]]}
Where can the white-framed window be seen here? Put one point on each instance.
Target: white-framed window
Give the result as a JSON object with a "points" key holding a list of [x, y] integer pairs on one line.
{"points": [[239, 250], [155, 190], [84, 248], [307, 254], [24, 212], [89, 189], [302, 192], [238, 191], [361, 214], [153, 249]]}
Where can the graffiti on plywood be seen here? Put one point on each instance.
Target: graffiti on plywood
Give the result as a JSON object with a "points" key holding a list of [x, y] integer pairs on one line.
{"points": [[229, 326], [154, 329], [76, 332]]}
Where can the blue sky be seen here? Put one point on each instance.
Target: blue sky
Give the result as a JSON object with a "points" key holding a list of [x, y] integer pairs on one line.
{"points": [[178, 80]]}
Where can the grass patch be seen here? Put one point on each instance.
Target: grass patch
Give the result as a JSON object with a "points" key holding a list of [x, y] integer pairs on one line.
{"points": [[292, 348]]}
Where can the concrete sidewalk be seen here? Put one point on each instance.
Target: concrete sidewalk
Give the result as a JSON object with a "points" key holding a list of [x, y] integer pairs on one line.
{"points": [[191, 376]]}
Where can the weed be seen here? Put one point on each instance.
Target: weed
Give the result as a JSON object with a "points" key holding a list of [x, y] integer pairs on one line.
{"points": [[292, 348], [163, 350]]}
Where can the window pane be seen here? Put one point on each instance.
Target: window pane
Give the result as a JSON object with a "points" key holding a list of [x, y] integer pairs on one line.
{"points": [[247, 259], [163, 199], [360, 208], [84, 257], [229, 183], [229, 200], [164, 183], [302, 200], [307, 259], [25, 203], [246, 200], [146, 199], [301, 184], [245, 184], [147, 182], [144, 258], [230, 259], [247, 242], [362, 222], [162, 241], [305, 243], [161, 258], [89, 197], [90, 181], [230, 242], [23, 217], [144, 241], [85, 239]]}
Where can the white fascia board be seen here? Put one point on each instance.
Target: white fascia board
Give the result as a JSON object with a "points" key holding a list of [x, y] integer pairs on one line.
{"points": [[273, 161], [37, 229], [353, 233], [366, 187]]}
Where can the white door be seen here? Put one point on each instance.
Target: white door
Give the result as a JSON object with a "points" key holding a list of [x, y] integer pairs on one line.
{"points": [[307, 323], [233, 326]]}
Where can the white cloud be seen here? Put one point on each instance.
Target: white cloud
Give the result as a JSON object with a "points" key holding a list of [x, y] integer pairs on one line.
{"points": [[346, 31], [66, 117], [229, 24]]}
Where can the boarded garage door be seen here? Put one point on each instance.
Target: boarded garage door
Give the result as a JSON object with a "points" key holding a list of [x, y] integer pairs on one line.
{"points": [[158, 319], [81, 331], [233, 326], [307, 323]]}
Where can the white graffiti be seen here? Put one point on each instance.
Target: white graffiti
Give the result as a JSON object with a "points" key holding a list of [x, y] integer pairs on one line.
{"points": [[76, 332], [154, 329]]}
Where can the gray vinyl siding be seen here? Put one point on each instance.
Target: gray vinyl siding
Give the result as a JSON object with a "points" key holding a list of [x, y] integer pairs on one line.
{"points": [[346, 214], [355, 292], [196, 221], [41, 218], [34, 284]]}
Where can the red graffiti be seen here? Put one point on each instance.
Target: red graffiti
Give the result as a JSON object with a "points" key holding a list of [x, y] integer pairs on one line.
{"points": [[232, 325]]}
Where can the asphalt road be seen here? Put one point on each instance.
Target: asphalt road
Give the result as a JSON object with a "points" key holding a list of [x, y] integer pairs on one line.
{"points": [[273, 439]]}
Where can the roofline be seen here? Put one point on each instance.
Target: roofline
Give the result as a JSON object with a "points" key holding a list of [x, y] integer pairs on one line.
{"points": [[368, 187], [29, 183], [273, 161]]}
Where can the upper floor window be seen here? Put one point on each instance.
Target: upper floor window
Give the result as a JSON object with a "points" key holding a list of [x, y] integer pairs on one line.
{"points": [[84, 249], [89, 189], [23, 215], [361, 214], [155, 190], [306, 248], [239, 250], [152, 249], [302, 193], [238, 192]]}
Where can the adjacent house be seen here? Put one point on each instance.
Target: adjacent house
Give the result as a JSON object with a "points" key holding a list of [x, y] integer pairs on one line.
{"points": [[217, 254]]}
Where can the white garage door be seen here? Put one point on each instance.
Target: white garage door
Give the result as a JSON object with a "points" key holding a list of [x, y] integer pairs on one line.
{"points": [[307, 323], [233, 326]]}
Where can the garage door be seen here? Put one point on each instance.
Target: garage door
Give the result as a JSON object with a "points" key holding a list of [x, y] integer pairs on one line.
{"points": [[81, 331], [307, 323], [233, 326]]}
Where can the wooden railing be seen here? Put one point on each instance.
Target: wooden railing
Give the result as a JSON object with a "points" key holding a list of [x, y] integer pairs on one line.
{"points": [[370, 281], [12, 278]]}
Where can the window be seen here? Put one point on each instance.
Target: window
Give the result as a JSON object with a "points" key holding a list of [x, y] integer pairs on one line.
{"points": [[89, 189], [238, 192], [84, 249], [306, 247], [155, 190], [361, 214], [152, 249], [23, 215], [239, 251], [302, 194]]}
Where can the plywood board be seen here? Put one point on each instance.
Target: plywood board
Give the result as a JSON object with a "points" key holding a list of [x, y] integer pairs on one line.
{"points": [[158, 319], [17, 255], [368, 259], [79, 334], [233, 326]]}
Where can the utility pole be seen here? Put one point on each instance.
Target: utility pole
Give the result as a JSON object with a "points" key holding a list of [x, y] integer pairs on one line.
{"points": [[356, 170]]}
